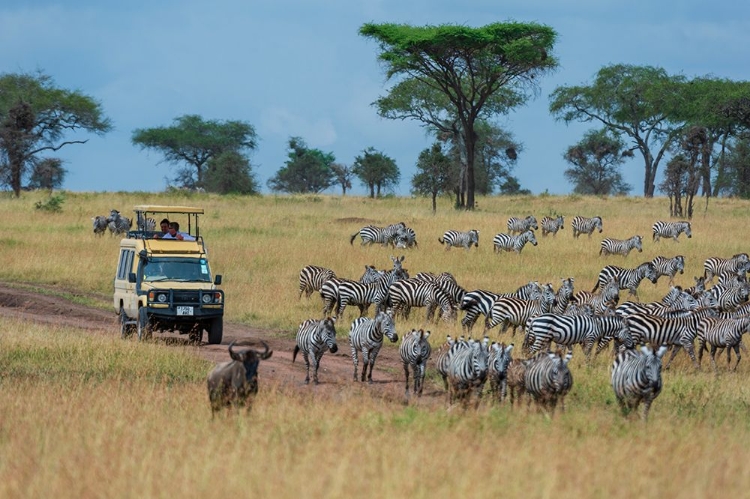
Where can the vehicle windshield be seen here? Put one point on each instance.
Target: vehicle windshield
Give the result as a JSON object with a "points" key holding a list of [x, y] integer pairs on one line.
{"points": [[176, 269]]}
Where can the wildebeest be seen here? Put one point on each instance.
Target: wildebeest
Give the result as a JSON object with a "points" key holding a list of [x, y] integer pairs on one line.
{"points": [[235, 382]]}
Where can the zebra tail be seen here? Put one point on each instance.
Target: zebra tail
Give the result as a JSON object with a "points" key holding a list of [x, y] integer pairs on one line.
{"points": [[440, 240], [595, 287], [351, 240], [294, 355]]}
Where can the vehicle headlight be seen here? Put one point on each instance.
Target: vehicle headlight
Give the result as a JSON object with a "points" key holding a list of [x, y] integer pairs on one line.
{"points": [[161, 298], [206, 298]]}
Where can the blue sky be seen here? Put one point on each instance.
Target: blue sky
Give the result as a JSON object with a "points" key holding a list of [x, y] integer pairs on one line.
{"points": [[299, 68]]}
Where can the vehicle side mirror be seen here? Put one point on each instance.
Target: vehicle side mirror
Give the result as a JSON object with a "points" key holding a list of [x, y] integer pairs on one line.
{"points": [[131, 277], [217, 280]]}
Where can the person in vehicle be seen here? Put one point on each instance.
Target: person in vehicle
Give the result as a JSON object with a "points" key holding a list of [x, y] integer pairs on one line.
{"points": [[164, 225], [174, 233]]}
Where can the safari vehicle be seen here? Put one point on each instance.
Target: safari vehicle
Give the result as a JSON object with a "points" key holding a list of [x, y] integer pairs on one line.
{"points": [[166, 284]]}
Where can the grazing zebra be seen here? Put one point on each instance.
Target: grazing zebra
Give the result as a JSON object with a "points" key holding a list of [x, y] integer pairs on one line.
{"points": [[311, 279], [468, 370], [548, 379], [372, 234], [519, 225], [671, 230], [563, 296], [515, 379], [622, 247], [517, 311], [407, 293], [508, 242], [146, 224], [455, 238], [722, 333], [576, 329], [100, 224], [118, 224], [636, 378], [314, 336], [628, 279], [498, 362], [415, 350], [679, 332], [552, 225], [366, 335], [583, 225], [405, 238], [668, 266], [715, 266], [480, 301]]}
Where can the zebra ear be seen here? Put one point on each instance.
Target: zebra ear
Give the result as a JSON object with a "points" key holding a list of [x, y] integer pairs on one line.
{"points": [[645, 349], [662, 350], [509, 348], [568, 356]]}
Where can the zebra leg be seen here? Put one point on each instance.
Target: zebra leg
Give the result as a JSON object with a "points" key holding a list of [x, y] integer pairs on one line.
{"points": [[713, 358], [365, 362], [316, 364], [738, 354], [688, 346], [307, 366], [675, 349], [406, 373], [373, 356], [419, 373], [646, 408], [355, 361]]}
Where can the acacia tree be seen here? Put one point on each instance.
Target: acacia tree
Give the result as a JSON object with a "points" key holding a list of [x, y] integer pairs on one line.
{"points": [[376, 171], [639, 102], [230, 173], [192, 142], [737, 164], [343, 175], [306, 171], [436, 174], [47, 173], [596, 161], [465, 65], [35, 116]]}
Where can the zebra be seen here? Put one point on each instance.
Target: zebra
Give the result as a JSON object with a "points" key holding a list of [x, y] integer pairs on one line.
{"points": [[583, 225], [329, 293], [605, 298], [668, 266], [679, 332], [628, 279], [636, 378], [515, 379], [517, 311], [372, 234], [118, 224], [563, 296], [366, 335], [722, 333], [699, 288], [363, 295], [371, 275], [671, 230], [456, 238], [145, 224], [548, 379], [622, 247], [715, 266], [552, 225], [99, 223], [311, 279], [508, 242], [415, 350], [498, 362], [444, 354], [480, 301], [405, 238], [520, 225], [406, 293], [468, 370], [729, 296], [578, 329], [314, 336]]}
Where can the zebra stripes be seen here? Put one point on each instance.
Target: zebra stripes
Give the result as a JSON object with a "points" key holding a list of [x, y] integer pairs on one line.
{"points": [[366, 336], [583, 225], [548, 379], [515, 378], [405, 238], [371, 234], [363, 295], [622, 247], [552, 225], [577, 329], [415, 350], [311, 279], [668, 267], [722, 333], [407, 293], [509, 242], [146, 224], [519, 225], [118, 224], [605, 298], [314, 336], [715, 266], [636, 378], [444, 354], [456, 238], [467, 371], [563, 296], [480, 301], [517, 312], [99, 224], [671, 230], [628, 279], [498, 362]]}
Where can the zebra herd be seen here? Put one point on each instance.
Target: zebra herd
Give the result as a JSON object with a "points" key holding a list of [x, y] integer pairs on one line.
{"points": [[117, 224], [396, 235]]}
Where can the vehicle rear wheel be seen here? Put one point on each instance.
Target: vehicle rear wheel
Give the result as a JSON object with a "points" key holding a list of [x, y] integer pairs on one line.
{"points": [[144, 328], [216, 332], [125, 329]]}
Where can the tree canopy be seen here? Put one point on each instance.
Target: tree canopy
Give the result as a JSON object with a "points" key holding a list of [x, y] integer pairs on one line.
{"points": [[596, 160], [36, 116], [306, 171], [376, 171], [453, 74], [436, 174], [192, 142]]}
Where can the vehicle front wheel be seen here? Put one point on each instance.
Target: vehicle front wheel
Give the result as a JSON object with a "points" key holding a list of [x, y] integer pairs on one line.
{"points": [[125, 329], [216, 332], [144, 328]]}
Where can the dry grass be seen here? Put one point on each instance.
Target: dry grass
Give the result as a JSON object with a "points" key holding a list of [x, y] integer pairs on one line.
{"points": [[84, 416]]}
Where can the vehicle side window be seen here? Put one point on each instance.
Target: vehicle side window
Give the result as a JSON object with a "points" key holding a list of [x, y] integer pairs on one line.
{"points": [[126, 263]]}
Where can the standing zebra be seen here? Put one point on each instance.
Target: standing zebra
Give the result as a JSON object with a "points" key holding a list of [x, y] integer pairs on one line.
{"points": [[480, 301], [455, 238], [468, 370], [563, 296], [118, 224], [628, 279], [405, 238], [668, 266], [577, 329], [671, 230], [715, 266], [444, 354], [329, 292], [363, 295], [605, 298], [552, 225], [366, 335], [722, 333], [548, 379], [372, 234], [99, 223], [636, 378], [583, 225], [146, 224], [313, 337], [498, 363], [517, 312], [415, 350], [622, 247], [311, 279], [508, 242], [406, 293], [518, 225]]}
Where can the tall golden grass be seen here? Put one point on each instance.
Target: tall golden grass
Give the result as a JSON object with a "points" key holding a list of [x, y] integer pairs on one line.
{"points": [[86, 415]]}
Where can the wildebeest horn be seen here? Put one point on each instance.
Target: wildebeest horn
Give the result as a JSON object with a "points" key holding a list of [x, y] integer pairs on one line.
{"points": [[266, 354]]}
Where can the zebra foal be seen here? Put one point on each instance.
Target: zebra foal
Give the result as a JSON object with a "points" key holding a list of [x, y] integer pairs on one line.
{"points": [[415, 350]]}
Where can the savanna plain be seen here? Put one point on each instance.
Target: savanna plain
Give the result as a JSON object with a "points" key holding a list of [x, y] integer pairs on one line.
{"points": [[91, 415]]}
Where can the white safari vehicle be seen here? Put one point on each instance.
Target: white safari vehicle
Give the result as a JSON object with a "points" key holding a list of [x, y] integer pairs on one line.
{"points": [[166, 284]]}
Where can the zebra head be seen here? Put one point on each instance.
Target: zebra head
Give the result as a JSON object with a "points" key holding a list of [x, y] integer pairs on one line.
{"points": [[649, 272], [327, 332], [500, 357], [652, 365], [531, 222], [397, 263], [688, 232], [384, 322], [566, 288], [560, 220], [680, 264], [637, 243], [598, 223], [474, 237], [562, 379], [529, 236]]}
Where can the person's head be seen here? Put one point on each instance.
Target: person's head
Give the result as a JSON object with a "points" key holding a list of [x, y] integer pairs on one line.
{"points": [[174, 228], [164, 225]]}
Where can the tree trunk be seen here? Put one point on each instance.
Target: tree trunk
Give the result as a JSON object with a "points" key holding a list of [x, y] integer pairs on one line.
{"points": [[372, 191], [471, 140], [434, 202]]}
